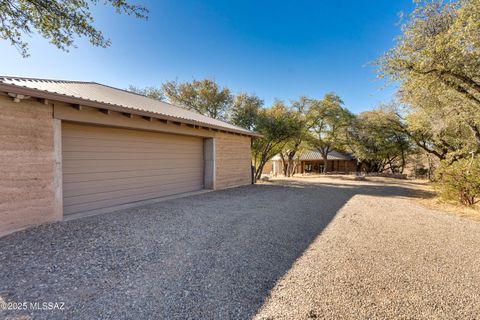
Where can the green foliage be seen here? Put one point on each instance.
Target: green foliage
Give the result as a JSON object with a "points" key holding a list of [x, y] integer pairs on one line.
{"points": [[421, 172], [277, 125], [151, 92], [203, 96], [437, 62], [245, 109], [329, 122], [378, 142], [300, 111], [59, 21], [282, 127], [440, 132], [439, 44], [460, 180]]}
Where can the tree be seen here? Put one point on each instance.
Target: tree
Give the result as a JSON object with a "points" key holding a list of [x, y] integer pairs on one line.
{"points": [[203, 96], [57, 21], [378, 141], [439, 133], [329, 123], [439, 48], [245, 109], [277, 125], [460, 181], [300, 112], [437, 62], [151, 92]]}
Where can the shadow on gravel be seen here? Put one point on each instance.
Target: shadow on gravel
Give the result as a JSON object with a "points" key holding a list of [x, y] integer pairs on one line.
{"points": [[211, 256], [391, 188]]}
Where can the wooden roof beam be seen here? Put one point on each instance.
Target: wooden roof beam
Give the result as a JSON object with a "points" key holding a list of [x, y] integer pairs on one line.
{"points": [[43, 101], [17, 97]]}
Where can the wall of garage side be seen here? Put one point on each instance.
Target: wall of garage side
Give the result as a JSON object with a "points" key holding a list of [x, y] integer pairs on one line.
{"points": [[27, 184], [232, 161]]}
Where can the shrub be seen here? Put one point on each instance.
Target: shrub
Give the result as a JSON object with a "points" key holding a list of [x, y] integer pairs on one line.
{"points": [[421, 172], [460, 181]]}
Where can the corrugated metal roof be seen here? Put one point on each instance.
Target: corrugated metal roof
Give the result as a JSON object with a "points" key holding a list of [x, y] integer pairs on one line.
{"points": [[315, 155], [332, 155], [99, 93]]}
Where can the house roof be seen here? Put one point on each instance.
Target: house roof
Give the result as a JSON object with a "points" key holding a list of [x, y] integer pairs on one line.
{"points": [[332, 155], [316, 155], [88, 93]]}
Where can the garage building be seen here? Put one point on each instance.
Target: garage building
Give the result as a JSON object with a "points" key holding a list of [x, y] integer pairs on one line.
{"points": [[70, 148]]}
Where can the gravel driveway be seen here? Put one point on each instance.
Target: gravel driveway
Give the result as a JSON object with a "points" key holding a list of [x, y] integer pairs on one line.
{"points": [[318, 248]]}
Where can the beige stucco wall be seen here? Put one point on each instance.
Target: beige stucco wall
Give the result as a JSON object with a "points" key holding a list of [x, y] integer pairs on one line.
{"points": [[232, 160], [27, 194]]}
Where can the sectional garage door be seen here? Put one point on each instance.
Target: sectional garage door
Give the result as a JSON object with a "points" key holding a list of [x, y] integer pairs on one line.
{"points": [[104, 167]]}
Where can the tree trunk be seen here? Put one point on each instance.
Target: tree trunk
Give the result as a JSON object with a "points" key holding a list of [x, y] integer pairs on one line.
{"points": [[441, 156], [262, 163], [284, 165], [258, 173], [294, 167], [358, 166], [325, 163], [291, 165]]}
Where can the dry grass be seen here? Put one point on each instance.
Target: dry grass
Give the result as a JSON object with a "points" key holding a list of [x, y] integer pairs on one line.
{"points": [[423, 189], [428, 197]]}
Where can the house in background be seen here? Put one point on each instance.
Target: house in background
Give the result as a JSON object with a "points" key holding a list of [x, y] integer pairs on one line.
{"points": [[311, 162], [71, 147]]}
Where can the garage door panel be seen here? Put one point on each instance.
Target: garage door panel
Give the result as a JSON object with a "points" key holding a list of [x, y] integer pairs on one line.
{"points": [[99, 176], [102, 155], [105, 166], [90, 133], [136, 148], [86, 187], [126, 191], [105, 203], [87, 166], [79, 144]]}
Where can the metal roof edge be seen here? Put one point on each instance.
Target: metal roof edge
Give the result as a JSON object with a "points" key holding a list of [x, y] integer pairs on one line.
{"points": [[96, 104]]}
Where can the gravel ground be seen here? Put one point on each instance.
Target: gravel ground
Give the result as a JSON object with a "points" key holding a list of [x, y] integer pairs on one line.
{"points": [[383, 257], [318, 248]]}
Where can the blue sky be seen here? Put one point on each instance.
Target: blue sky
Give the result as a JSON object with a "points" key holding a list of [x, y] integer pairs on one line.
{"points": [[275, 49]]}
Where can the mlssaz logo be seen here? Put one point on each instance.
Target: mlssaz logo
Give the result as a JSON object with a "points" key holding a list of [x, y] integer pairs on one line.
{"points": [[47, 305]]}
